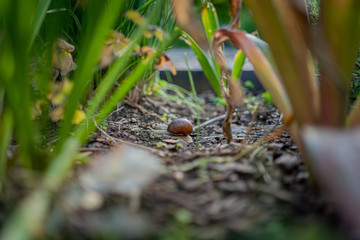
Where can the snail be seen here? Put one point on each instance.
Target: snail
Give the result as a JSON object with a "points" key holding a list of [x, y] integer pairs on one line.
{"points": [[180, 126]]}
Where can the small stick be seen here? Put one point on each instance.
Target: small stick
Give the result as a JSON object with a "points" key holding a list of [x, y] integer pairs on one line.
{"points": [[251, 125], [210, 121], [128, 143], [115, 111], [134, 104]]}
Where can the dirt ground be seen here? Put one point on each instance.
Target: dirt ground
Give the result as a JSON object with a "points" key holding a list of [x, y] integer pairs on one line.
{"points": [[212, 187]]}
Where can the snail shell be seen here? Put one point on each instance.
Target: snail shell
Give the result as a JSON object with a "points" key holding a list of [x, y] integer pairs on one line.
{"points": [[180, 126]]}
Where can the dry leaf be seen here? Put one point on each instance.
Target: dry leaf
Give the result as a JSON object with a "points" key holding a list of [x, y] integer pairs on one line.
{"points": [[124, 170], [78, 117], [57, 114], [165, 60], [36, 110], [61, 56], [135, 17], [112, 48], [59, 91], [161, 61]]}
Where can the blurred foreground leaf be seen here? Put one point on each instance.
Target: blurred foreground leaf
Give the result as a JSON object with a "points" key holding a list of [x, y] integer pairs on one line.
{"points": [[334, 155], [123, 170], [186, 18]]}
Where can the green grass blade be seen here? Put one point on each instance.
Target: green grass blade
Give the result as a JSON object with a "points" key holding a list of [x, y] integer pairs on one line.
{"points": [[211, 24], [41, 8], [88, 59], [18, 29], [112, 75], [208, 70], [209, 19], [239, 61], [84, 130], [6, 129]]}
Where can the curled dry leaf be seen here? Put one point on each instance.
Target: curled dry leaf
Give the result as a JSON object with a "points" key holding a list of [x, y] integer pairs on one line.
{"points": [[187, 19], [112, 48], [124, 170], [61, 56], [59, 91], [139, 20], [57, 114], [162, 60], [165, 60]]}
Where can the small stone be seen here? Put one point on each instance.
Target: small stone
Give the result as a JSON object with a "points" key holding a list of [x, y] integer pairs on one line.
{"points": [[275, 146], [288, 161], [178, 176]]}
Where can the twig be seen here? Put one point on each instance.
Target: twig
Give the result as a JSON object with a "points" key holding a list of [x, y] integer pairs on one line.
{"points": [[161, 153], [210, 121], [115, 111], [134, 104], [253, 120], [270, 135], [221, 117]]}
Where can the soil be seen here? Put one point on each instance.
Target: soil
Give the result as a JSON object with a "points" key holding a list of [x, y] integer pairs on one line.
{"points": [[204, 186]]}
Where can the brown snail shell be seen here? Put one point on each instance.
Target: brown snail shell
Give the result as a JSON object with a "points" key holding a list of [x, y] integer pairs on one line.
{"points": [[180, 126]]}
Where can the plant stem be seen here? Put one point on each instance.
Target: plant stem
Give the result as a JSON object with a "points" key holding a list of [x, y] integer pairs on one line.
{"points": [[196, 102]]}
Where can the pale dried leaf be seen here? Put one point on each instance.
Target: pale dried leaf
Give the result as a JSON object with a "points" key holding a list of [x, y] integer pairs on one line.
{"points": [[57, 114], [59, 91], [165, 60], [123, 170], [61, 56]]}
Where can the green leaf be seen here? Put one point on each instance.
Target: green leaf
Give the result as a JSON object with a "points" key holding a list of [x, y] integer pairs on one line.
{"points": [[211, 24], [209, 19], [239, 61], [208, 70], [88, 60], [249, 84]]}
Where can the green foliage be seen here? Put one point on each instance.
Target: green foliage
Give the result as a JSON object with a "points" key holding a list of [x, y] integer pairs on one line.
{"points": [[174, 93], [28, 93], [267, 98], [159, 144], [314, 10], [249, 84], [169, 116]]}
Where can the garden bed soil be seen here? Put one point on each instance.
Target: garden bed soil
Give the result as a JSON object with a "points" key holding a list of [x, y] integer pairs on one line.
{"points": [[203, 187]]}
